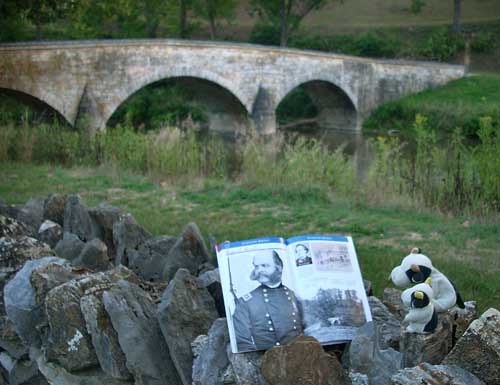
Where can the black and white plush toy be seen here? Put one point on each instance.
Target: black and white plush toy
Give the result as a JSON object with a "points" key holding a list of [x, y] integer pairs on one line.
{"points": [[416, 268], [422, 316]]}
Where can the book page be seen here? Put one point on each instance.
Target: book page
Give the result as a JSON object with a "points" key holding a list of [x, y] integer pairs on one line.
{"points": [[329, 286], [261, 308]]}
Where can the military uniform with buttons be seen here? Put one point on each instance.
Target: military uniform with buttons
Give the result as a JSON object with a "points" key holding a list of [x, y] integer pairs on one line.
{"points": [[266, 317]]}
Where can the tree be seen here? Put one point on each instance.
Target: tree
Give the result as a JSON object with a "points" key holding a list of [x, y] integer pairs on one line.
{"points": [[457, 15], [38, 12], [286, 13], [212, 10], [416, 7]]}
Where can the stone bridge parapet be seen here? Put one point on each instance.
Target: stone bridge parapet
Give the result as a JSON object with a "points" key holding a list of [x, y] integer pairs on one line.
{"points": [[240, 84]]}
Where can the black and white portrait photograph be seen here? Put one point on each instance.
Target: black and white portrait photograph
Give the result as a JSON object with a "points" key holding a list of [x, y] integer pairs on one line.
{"points": [[302, 255], [266, 311]]}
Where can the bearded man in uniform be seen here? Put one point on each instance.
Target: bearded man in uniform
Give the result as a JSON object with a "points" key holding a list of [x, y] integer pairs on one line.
{"points": [[269, 315]]}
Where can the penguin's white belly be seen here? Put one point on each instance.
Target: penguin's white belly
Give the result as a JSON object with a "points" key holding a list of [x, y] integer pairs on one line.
{"points": [[418, 318]]}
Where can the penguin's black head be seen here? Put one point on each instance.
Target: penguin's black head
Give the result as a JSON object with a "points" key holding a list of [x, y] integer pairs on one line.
{"points": [[419, 299], [418, 274]]}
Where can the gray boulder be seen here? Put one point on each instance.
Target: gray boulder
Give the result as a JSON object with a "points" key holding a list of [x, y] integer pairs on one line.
{"points": [[46, 277], [57, 375], [77, 219], [427, 347], [435, 374], [31, 214], [302, 361], [189, 252], [246, 368], [389, 328], [211, 361], [69, 343], [132, 315], [14, 252], [69, 247], [9, 227], [21, 303], [18, 371], [364, 356], [186, 311], [211, 280], [10, 341], [104, 338], [461, 319], [53, 208], [128, 235], [148, 261], [392, 299], [478, 351], [94, 256], [358, 378], [50, 233], [104, 217]]}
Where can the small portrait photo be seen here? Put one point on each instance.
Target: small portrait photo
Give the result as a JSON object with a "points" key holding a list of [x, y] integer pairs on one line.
{"points": [[331, 257], [302, 255]]}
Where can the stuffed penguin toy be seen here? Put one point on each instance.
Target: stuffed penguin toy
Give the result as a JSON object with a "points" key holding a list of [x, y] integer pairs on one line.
{"points": [[422, 316], [416, 268]]}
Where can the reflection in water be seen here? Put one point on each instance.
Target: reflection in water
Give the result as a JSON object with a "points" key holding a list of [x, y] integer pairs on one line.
{"points": [[354, 144]]}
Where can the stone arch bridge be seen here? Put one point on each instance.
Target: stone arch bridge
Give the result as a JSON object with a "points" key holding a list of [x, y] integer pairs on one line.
{"points": [[241, 85]]}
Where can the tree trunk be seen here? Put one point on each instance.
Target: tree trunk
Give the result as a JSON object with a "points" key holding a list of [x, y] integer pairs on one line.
{"points": [[38, 26], [283, 24], [211, 19], [182, 19], [457, 15]]}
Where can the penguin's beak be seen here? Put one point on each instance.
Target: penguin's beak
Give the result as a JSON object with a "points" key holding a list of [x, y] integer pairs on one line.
{"points": [[415, 268], [419, 295]]}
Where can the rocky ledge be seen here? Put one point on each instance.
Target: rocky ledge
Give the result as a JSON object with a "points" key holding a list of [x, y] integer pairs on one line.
{"points": [[91, 297]]}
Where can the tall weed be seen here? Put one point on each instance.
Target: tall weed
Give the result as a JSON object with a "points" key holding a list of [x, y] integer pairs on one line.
{"points": [[454, 177]]}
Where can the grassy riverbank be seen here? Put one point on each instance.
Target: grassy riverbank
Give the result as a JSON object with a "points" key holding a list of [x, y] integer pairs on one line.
{"points": [[460, 103], [464, 249]]}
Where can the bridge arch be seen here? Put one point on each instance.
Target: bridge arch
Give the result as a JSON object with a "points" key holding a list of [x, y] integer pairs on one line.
{"points": [[35, 103], [224, 110], [135, 82], [336, 109]]}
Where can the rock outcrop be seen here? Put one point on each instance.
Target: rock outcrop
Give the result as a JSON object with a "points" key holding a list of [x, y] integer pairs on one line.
{"points": [[478, 351], [186, 311], [302, 361], [85, 318]]}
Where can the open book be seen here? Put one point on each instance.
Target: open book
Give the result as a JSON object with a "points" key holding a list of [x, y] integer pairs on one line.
{"points": [[276, 289]]}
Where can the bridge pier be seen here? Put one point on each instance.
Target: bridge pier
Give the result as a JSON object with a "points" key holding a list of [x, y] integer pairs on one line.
{"points": [[89, 117], [264, 113]]}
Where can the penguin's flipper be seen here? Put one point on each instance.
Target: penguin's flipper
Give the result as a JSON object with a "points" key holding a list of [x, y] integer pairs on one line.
{"points": [[460, 301], [432, 324]]}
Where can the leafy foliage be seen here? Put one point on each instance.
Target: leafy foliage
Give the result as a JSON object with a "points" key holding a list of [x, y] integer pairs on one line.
{"points": [[416, 6], [287, 14], [214, 10], [442, 45]]}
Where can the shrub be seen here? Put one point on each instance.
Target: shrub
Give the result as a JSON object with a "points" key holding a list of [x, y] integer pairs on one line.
{"points": [[483, 42], [374, 45], [441, 45], [266, 34], [417, 6]]}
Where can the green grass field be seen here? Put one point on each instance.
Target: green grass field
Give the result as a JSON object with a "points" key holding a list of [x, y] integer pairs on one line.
{"points": [[464, 249], [369, 14]]}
